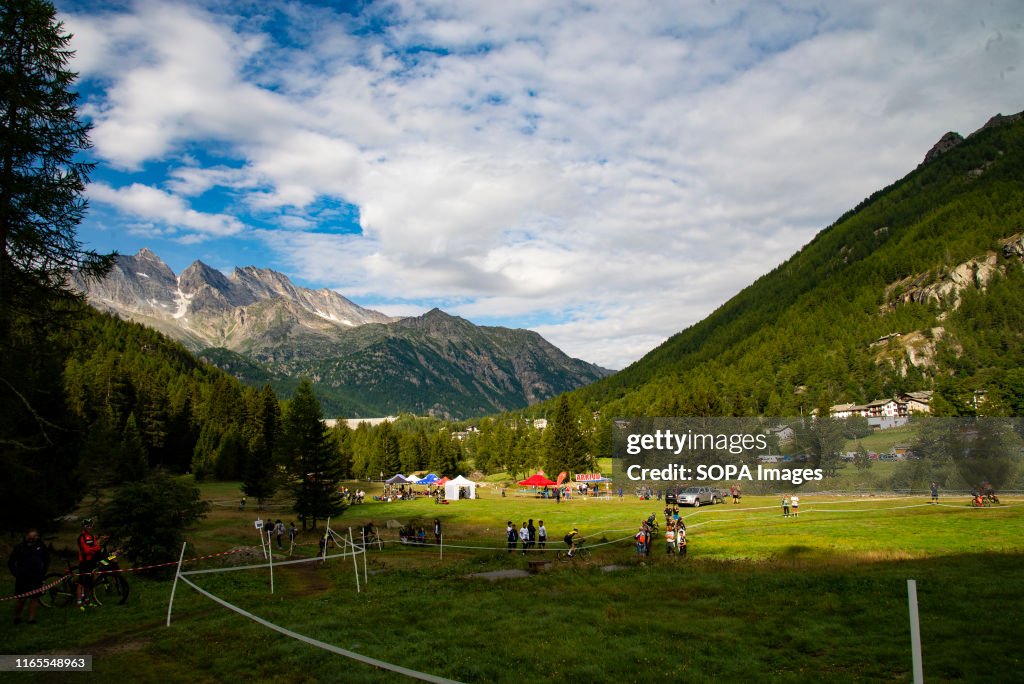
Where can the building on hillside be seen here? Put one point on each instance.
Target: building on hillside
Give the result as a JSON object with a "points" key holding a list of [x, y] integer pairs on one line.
{"points": [[917, 402], [887, 412], [783, 433], [845, 410], [540, 423]]}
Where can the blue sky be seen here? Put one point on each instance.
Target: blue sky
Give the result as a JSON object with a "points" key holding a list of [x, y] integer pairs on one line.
{"points": [[606, 173]]}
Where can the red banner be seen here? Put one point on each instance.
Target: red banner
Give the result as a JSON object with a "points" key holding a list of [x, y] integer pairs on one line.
{"points": [[588, 477]]}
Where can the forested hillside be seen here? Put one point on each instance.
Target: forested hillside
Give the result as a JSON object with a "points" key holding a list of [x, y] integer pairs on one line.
{"points": [[920, 286]]}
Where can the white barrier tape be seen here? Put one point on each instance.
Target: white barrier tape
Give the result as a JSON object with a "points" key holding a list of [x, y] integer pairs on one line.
{"points": [[263, 566], [415, 674]]}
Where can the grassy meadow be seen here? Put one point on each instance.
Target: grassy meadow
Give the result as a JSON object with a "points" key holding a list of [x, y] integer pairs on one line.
{"points": [[759, 598]]}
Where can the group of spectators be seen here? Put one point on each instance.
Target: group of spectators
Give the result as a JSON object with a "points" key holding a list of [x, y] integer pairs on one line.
{"points": [[353, 496], [418, 535], [675, 534], [278, 531], [395, 493], [529, 536]]}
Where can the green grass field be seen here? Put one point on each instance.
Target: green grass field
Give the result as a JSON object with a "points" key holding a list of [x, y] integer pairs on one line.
{"points": [[759, 598]]}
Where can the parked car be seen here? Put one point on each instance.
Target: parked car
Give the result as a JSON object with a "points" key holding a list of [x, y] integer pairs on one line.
{"points": [[695, 496]]}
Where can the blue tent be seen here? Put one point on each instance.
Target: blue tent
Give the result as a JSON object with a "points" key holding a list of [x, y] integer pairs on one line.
{"points": [[428, 480]]}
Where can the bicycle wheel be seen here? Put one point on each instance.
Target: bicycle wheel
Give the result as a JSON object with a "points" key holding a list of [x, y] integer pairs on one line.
{"points": [[99, 590], [108, 588], [112, 587], [562, 556], [583, 555], [60, 595]]}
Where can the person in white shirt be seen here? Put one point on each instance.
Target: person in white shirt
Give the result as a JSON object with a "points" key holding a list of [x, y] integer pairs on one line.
{"points": [[794, 503], [542, 535], [524, 537]]}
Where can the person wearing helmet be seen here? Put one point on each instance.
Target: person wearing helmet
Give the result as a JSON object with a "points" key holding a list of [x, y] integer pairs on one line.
{"points": [[89, 546], [571, 539]]}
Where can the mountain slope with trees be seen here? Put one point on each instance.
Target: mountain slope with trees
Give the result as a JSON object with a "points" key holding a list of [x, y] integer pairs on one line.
{"points": [[920, 286]]}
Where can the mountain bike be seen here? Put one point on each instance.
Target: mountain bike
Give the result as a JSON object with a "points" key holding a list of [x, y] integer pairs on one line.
{"points": [[582, 554], [103, 584]]}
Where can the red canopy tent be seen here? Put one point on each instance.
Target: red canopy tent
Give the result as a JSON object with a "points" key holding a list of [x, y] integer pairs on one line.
{"points": [[537, 480], [440, 483]]}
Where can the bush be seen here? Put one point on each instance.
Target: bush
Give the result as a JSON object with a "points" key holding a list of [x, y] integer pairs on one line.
{"points": [[149, 516]]}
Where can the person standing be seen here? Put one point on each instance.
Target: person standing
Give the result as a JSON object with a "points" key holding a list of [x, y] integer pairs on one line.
{"points": [[524, 537], [532, 533], [785, 505], [935, 493], [795, 504], [510, 536], [737, 494], [28, 562], [292, 533], [670, 539], [641, 539], [89, 547], [681, 541], [279, 533], [542, 535], [437, 531]]}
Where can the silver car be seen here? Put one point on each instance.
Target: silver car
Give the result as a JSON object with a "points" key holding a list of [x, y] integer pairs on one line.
{"points": [[696, 496]]}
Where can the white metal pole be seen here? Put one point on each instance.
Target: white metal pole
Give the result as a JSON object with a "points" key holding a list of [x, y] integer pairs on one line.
{"points": [[915, 633], [327, 537], [270, 562], [170, 604], [355, 565], [365, 578]]}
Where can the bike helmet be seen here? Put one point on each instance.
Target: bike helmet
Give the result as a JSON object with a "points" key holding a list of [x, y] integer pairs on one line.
{"points": [[86, 522]]}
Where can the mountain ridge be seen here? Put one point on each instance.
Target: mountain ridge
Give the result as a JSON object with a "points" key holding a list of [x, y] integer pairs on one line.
{"points": [[256, 322]]}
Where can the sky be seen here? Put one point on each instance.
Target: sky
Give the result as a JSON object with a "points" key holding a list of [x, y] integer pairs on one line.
{"points": [[605, 173]]}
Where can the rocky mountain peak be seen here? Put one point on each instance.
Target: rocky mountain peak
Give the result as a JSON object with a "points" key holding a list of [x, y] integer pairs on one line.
{"points": [[945, 144], [999, 120], [199, 274]]}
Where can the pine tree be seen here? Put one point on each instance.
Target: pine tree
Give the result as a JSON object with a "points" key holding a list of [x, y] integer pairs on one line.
{"points": [[260, 471], [42, 179], [134, 462], [565, 445], [313, 461], [389, 449]]}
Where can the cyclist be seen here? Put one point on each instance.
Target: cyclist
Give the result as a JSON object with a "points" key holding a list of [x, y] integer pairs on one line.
{"points": [[89, 547], [572, 539]]}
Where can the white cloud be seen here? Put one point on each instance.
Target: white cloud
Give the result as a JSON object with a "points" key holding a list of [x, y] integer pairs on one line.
{"points": [[618, 168], [169, 212]]}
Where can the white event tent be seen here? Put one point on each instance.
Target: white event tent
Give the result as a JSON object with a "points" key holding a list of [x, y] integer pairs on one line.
{"points": [[453, 487]]}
